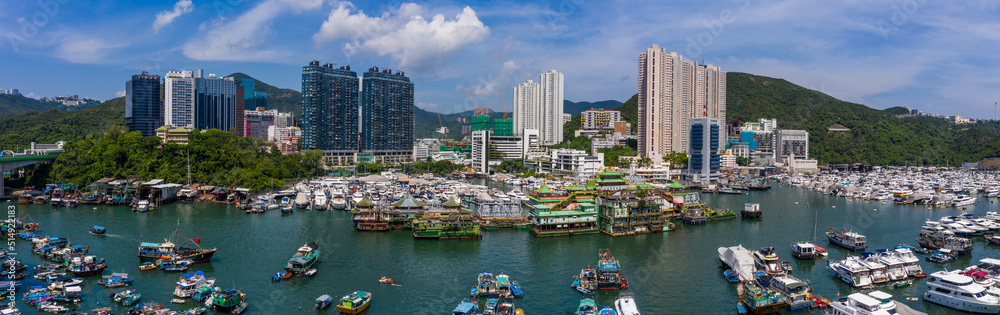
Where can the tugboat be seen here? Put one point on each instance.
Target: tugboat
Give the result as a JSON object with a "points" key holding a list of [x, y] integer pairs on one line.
{"points": [[354, 303], [307, 255], [847, 239]]}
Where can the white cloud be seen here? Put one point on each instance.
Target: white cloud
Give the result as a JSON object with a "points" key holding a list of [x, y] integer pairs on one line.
{"points": [[414, 42], [239, 39], [120, 93], [166, 17], [488, 86], [78, 48]]}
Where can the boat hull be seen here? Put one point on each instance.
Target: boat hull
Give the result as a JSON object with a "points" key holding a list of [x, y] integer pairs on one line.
{"points": [[929, 296], [347, 310], [838, 242]]}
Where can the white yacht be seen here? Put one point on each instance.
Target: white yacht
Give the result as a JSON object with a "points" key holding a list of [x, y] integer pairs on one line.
{"points": [[858, 304], [766, 260], [319, 201], [356, 197], [302, 200], [895, 266], [885, 301], [852, 272], [960, 292], [338, 201], [878, 271], [910, 261], [962, 200], [625, 305]]}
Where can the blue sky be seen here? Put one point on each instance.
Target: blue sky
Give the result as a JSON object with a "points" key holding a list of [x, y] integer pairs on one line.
{"points": [[939, 57]]}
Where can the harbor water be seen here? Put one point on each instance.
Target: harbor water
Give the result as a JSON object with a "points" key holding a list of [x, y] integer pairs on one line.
{"points": [[670, 273]]}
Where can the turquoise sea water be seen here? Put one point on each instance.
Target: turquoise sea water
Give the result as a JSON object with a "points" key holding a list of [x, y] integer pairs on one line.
{"points": [[674, 273]]}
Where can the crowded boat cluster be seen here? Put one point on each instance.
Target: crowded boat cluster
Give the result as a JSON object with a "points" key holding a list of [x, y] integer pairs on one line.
{"points": [[938, 187]]}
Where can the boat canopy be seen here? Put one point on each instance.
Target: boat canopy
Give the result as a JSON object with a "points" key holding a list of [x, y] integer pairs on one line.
{"points": [[99, 228], [324, 298], [464, 308]]}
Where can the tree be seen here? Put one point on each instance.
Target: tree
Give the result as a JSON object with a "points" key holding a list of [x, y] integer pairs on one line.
{"points": [[742, 161], [676, 159]]}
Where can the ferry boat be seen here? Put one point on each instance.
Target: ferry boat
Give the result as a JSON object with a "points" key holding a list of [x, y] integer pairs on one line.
{"points": [[858, 304], [354, 303], [765, 259], [587, 307], [625, 304], [852, 272], [307, 255], [960, 292], [804, 250], [751, 210], [847, 239]]}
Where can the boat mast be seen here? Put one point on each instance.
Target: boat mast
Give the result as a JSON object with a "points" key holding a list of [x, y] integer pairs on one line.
{"points": [[189, 167]]}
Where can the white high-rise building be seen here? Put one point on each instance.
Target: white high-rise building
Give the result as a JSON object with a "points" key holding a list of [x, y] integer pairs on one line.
{"points": [[527, 114], [179, 97], [551, 93], [672, 91]]}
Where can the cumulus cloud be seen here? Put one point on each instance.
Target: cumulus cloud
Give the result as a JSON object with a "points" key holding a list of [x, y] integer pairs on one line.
{"points": [[120, 93], [488, 86], [240, 39], [166, 17], [414, 42]]}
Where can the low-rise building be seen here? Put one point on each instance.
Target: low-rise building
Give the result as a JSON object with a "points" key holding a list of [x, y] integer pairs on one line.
{"points": [[168, 134], [592, 119], [568, 163]]}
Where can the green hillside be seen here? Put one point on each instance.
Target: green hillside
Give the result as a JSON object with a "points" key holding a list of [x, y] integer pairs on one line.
{"points": [[284, 100], [11, 105], [877, 137], [55, 125]]}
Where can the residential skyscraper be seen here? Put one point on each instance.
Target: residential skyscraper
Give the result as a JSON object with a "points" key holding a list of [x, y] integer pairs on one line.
{"points": [[179, 98], [672, 91], [143, 105], [550, 91], [330, 108], [215, 103], [705, 162], [387, 115], [527, 113]]}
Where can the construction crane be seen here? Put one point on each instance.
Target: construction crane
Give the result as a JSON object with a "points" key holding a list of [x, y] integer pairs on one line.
{"points": [[475, 111], [443, 131], [502, 108]]}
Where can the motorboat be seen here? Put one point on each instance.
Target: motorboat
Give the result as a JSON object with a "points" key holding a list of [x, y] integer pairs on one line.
{"points": [[960, 292], [319, 201], [625, 304], [878, 271], [765, 259], [910, 261], [803, 250], [895, 266], [963, 200], [857, 304], [851, 271]]}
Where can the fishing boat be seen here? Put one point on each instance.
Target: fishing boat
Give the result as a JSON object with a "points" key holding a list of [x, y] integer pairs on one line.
{"points": [[282, 275], [731, 276], [503, 284], [354, 303], [174, 264], [607, 310], [625, 304], [515, 289], [760, 300], [203, 293], [487, 284], [958, 245], [804, 250], [942, 256], [156, 251], [608, 277], [304, 258], [795, 291], [226, 301], [115, 280], [85, 266], [466, 308], [194, 311], [992, 238], [847, 239], [587, 307], [147, 266], [142, 206], [491, 306], [98, 230], [506, 307], [127, 297], [960, 292], [323, 301], [588, 278]]}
